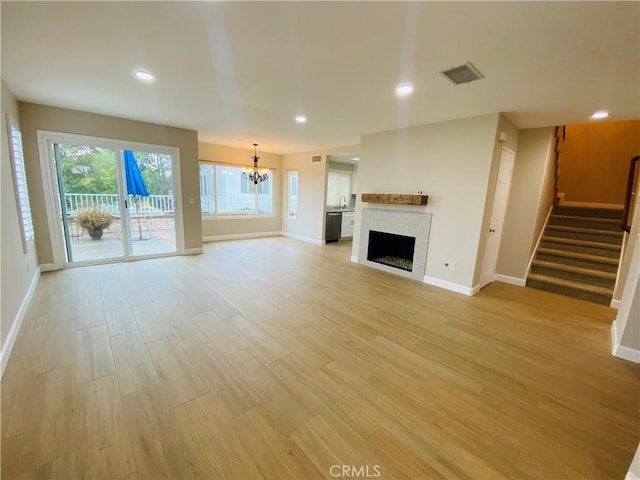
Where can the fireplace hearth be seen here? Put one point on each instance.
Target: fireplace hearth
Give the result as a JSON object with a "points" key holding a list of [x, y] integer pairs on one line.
{"points": [[391, 249]]}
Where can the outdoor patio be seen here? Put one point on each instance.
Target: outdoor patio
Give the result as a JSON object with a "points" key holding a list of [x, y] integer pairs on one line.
{"points": [[149, 235]]}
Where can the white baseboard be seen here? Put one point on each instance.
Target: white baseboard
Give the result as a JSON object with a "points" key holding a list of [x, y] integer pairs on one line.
{"points": [[17, 322], [454, 287], [48, 267], [520, 282], [614, 206], [475, 289], [193, 251], [354, 259], [303, 238], [621, 351], [240, 236], [615, 304]]}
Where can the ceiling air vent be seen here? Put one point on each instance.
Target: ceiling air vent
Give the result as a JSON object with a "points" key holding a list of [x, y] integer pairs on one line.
{"points": [[463, 74], [316, 158]]}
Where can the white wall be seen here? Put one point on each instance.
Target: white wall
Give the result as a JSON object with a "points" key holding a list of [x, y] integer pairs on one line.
{"points": [[532, 192], [452, 163], [220, 227], [19, 269], [312, 182], [626, 327]]}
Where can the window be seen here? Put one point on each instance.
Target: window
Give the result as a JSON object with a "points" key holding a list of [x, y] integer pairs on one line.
{"points": [[224, 191], [207, 202], [20, 182], [338, 189], [292, 182]]}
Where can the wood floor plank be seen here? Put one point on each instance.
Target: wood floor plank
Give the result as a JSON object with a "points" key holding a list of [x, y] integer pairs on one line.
{"points": [[230, 393], [151, 322], [311, 359], [218, 450], [274, 455], [103, 447], [158, 445], [133, 363], [183, 327], [94, 358], [91, 312], [59, 346], [225, 338], [120, 318], [48, 432], [176, 372]]}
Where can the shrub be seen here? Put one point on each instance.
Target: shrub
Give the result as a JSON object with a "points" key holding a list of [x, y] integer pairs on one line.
{"points": [[94, 219]]}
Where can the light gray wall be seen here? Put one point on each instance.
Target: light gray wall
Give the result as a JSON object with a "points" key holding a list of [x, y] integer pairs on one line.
{"points": [[529, 202], [452, 163], [18, 267]]}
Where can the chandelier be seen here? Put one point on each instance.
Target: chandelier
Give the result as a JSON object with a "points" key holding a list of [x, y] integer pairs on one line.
{"points": [[253, 174]]}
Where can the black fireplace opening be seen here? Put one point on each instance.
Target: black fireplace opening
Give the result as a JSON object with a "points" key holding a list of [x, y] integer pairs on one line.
{"points": [[391, 249]]}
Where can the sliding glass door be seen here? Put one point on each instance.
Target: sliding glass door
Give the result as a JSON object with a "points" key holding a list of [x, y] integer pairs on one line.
{"points": [[150, 203], [89, 198], [114, 204]]}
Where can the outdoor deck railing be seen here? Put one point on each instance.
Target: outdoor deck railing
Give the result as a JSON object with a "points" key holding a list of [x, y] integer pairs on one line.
{"points": [[241, 203], [151, 205], [164, 204]]}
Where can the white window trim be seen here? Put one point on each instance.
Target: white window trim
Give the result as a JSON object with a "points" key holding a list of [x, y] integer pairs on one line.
{"points": [[234, 216], [20, 190], [290, 215]]}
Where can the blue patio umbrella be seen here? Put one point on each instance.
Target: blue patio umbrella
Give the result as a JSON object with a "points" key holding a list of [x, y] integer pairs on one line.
{"points": [[135, 183]]}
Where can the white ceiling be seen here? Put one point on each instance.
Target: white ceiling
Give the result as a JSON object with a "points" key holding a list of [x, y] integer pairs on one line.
{"points": [[239, 72]]}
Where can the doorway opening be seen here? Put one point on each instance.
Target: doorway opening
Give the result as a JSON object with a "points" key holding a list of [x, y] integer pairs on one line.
{"points": [[113, 201]]}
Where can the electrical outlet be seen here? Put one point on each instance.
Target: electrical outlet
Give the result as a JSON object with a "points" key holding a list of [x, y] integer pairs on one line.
{"points": [[450, 265]]}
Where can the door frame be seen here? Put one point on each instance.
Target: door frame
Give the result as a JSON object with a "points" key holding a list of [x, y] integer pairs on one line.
{"points": [[47, 138], [503, 149]]}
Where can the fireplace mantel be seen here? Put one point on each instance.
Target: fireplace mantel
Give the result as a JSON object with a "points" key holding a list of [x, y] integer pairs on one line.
{"points": [[395, 198]]}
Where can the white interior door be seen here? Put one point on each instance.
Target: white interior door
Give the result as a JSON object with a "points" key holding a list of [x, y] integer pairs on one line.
{"points": [[500, 200]]}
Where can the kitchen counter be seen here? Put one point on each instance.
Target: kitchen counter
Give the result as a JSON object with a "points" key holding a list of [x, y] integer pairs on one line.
{"points": [[340, 210]]}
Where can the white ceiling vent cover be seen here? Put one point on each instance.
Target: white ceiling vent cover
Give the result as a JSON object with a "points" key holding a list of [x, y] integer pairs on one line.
{"points": [[463, 74]]}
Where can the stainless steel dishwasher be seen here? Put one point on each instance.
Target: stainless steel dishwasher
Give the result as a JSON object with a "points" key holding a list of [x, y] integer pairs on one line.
{"points": [[333, 226]]}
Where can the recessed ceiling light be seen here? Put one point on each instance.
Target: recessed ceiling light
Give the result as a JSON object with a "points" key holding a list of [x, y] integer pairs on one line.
{"points": [[404, 89], [142, 75], [301, 118], [600, 114]]}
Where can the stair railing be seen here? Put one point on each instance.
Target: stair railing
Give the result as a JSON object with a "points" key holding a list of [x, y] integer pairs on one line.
{"points": [[629, 200], [560, 136]]}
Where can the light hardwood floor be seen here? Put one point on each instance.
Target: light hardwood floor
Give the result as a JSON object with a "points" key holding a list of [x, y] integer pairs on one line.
{"points": [[272, 358]]}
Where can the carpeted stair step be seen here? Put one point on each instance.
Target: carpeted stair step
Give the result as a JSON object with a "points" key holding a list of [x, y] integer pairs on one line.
{"points": [[589, 212], [582, 260], [570, 288], [589, 234], [585, 222], [581, 246], [569, 272]]}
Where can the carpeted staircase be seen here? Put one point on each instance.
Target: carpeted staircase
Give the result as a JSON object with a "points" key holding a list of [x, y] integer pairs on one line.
{"points": [[579, 253]]}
